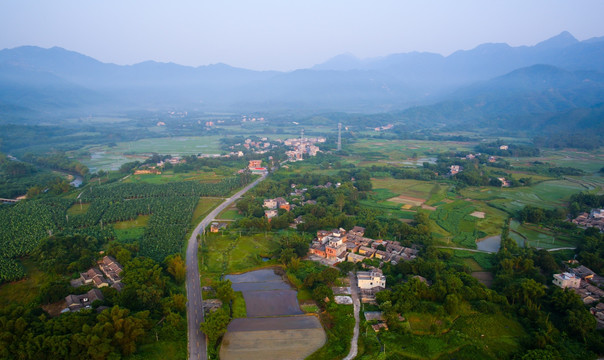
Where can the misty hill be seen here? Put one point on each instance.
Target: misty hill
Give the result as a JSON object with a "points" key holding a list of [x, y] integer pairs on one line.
{"points": [[484, 62], [539, 97], [35, 79]]}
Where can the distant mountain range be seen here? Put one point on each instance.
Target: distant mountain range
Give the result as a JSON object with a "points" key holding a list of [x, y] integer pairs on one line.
{"points": [[491, 85]]}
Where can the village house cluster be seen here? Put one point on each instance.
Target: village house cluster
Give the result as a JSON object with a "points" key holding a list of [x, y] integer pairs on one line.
{"points": [[338, 245], [261, 146], [584, 282], [302, 146], [383, 128], [296, 195], [273, 204], [595, 218], [255, 166], [245, 118], [106, 274]]}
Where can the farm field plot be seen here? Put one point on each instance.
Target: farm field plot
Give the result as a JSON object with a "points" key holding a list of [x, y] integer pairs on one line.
{"points": [[266, 293], [538, 237], [406, 187], [588, 161], [100, 159], [275, 327], [272, 338], [485, 336], [403, 151], [456, 220], [206, 177], [547, 194], [105, 157]]}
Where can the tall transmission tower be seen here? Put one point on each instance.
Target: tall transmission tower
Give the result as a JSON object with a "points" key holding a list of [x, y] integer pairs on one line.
{"points": [[339, 136], [302, 134]]}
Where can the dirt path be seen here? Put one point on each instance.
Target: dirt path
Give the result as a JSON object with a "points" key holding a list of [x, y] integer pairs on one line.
{"points": [[354, 291]]}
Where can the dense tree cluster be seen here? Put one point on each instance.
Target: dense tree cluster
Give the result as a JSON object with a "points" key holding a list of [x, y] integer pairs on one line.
{"points": [[57, 161], [17, 178], [536, 215], [556, 318], [28, 334], [513, 150], [584, 202], [579, 140], [148, 301]]}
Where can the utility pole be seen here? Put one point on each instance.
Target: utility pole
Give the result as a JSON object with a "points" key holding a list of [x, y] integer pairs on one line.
{"points": [[339, 136]]}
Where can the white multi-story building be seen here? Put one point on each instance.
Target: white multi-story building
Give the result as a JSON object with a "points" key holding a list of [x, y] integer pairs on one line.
{"points": [[371, 279], [567, 280]]}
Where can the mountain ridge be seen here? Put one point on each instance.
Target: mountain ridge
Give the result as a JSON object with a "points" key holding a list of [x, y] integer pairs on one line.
{"points": [[388, 83]]}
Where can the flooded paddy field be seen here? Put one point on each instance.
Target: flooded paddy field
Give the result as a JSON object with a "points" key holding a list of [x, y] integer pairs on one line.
{"points": [[266, 293]]}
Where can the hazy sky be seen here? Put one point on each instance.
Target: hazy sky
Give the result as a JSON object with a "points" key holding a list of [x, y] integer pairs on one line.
{"points": [[285, 34]]}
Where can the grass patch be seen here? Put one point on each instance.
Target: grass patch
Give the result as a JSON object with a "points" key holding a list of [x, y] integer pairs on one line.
{"points": [[140, 221], [78, 209], [472, 336], [230, 253], [239, 310], [129, 235], [304, 294], [169, 176], [204, 207], [482, 260], [338, 322], [230, 214], [23, 291], [309, 308], [160, 350], [131, 230]]}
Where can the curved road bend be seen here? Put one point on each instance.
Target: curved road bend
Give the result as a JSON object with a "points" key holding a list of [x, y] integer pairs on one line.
{"points": [[196, 339]]}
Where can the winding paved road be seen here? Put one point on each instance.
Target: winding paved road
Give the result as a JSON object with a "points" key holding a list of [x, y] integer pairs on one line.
{"points": [[196, 339]]}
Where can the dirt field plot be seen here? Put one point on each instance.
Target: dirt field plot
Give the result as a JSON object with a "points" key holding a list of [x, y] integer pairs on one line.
{"points": [[402, 199], [287, 334], [257, 276], [274, 323], [478, 214], [272, 338]]}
